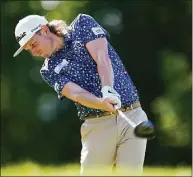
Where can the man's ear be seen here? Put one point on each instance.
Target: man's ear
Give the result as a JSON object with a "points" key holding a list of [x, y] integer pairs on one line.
{"points": [[45, 29]]}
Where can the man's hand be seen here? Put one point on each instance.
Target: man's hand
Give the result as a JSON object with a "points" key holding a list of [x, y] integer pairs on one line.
{"points": [[111, 94], [107, 105]]}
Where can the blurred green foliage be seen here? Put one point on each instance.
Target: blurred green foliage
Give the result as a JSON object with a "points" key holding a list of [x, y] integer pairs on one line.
{"points": [[153, 40], [172, 107]]}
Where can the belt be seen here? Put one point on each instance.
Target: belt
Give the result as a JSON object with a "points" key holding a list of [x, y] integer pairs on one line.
{"points": [[123, 109]]}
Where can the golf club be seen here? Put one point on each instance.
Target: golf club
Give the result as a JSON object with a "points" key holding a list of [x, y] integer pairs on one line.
{"points": [[144, 129]]}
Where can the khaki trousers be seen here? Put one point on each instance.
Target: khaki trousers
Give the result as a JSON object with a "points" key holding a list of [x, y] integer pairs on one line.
{"points": [[108, 141]]}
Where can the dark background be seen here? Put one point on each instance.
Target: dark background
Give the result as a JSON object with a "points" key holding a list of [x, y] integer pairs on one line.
{"points": [[154, 41]]}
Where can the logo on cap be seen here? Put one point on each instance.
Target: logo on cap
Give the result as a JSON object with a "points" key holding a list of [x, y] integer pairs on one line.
{"points": [[18, 38], [35, 28]]}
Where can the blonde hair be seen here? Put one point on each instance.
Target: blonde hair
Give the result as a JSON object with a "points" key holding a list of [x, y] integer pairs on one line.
{"points": [[58, 27]]}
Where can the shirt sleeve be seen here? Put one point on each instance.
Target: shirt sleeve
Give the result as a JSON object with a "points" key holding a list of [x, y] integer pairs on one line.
{"points": [[89, 29], [55, 81]]}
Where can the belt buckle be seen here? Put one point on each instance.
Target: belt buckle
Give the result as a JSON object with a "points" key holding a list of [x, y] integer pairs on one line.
{"points": [[129, 108]]}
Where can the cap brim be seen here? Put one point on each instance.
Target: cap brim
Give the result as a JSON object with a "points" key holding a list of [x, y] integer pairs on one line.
{"points": [[18, 52]]}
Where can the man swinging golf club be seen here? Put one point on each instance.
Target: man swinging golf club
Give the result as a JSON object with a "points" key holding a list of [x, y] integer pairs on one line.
{"points": [[81, 64]]}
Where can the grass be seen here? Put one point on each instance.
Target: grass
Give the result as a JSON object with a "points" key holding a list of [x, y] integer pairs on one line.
{"points": [[32, 169]]}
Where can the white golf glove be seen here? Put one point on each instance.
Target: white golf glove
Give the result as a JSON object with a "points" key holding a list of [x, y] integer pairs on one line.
{"points": [[111, 93]]}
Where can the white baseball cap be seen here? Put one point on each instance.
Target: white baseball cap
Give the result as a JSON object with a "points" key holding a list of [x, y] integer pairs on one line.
{"points": [[26, 28]]}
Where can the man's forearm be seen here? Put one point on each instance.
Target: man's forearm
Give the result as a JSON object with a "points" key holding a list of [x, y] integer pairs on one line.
{"points": [[87, 99], [105, 69]]}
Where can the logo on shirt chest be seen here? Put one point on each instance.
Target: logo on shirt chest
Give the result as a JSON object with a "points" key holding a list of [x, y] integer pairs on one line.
{"points": [[58, 68], [77, 44]]}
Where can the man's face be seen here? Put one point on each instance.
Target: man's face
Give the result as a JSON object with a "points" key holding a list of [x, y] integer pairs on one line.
{"points": [[40, 45]]}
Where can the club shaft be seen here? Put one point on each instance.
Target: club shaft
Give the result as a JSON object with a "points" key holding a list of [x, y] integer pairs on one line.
{"points": [[121, 114]]}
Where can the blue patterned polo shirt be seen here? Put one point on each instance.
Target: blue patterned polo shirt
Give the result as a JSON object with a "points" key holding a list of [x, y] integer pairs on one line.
{"points": [[74, 63]]}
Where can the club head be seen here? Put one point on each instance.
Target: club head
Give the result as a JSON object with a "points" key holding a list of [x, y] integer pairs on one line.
{"points": [[145, 129]]}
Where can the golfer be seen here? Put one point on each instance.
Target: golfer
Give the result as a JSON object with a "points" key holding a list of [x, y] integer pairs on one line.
{"points": [[81, 65]]}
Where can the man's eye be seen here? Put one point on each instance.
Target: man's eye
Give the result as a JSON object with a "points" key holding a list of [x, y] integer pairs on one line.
{"points": [[33, 45]]}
